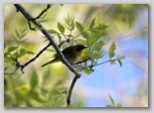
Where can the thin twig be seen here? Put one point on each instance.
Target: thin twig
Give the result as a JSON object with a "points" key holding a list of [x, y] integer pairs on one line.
{"points": [[64, 41], [104, 62], [36, 56], [59, 53], [91, 66], [45, 10], [30, 27], [80, 34]]}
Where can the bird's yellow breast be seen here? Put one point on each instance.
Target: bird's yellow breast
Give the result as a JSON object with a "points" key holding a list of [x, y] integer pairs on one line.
{"points": [[80, 53]]}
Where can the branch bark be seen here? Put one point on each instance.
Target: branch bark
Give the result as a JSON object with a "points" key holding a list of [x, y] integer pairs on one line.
{"points": [[50, 38]]}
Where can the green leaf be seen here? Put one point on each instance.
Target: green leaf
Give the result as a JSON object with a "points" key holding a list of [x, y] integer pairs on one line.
{"points": [[52, 31], [120, 63], [79, 69], [24, 30], [6, 54], [94, 30], [60, 38], [109, 106], [15, 39], [54, 96], [111, 99], [43, 16], [30, 52], [92, 60], [120, 57], [93, 39], [13, 56], [98, 46], [111, 50], [92, 23], [33, 79], [118, 105], [22, 41], [89, 43], [88, 71], [96, 55], [44, 91], [81, 41], [85, 64], [7, 59], [61, 28], [35, 95], [51, 50], [12, 48], [70, 36], [72, 26], [85, 35], [46, 76], [23, 33], [17, 33], [101, 43], [43, 20], [60, 102], [63, 46], [79, 26], [101, 27], [22, 52]]}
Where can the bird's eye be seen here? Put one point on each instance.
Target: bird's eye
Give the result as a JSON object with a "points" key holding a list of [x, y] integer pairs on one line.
{"points": [[78, 49]]}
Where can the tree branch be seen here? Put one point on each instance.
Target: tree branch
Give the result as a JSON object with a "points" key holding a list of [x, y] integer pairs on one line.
{"points": [[70, 90], [59, 53], [37, 55]]}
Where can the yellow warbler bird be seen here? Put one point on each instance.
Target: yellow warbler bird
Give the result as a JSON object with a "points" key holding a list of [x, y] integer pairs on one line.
{"points": [[72, 54]]}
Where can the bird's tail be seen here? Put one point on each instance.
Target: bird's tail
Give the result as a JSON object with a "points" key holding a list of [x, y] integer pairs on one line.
{"points": [[48, 63]]}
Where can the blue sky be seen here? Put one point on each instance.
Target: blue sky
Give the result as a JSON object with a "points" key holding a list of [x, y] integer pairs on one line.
{"points": [[119, 82]]}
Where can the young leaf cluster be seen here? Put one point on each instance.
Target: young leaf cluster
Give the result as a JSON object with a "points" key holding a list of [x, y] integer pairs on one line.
{"points": [[14, 52], [34, 92], [113, 103], [112, 54]]}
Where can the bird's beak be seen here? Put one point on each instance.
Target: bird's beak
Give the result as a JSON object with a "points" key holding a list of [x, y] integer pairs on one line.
{"points": [[85, 47]]}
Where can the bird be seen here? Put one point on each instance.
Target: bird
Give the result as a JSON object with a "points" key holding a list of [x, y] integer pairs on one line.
{"points": [[73, 54]]}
